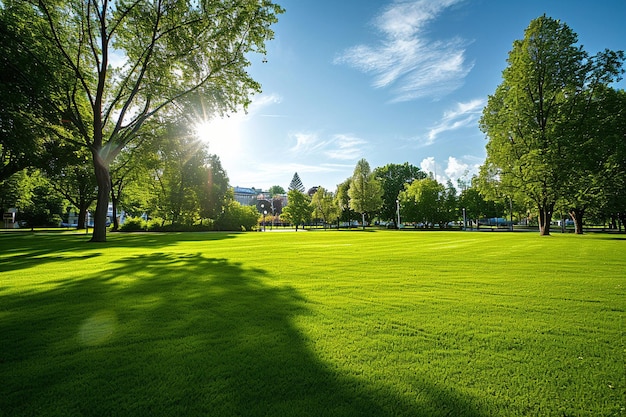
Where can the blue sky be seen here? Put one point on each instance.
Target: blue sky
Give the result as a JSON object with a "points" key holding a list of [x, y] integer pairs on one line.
{"points": [[388, 81]]}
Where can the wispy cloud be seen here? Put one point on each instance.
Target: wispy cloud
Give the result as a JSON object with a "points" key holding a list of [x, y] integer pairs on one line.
{"points": [[345, 147], [462, 115], [342, 147], [263, 101], [405, 59]]}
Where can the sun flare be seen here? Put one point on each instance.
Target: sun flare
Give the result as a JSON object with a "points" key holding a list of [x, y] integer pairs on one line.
{"points": [[222, 135]]}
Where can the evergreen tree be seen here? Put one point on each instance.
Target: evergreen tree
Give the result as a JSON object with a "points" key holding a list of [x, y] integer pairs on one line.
{"points": [[296, 183]]}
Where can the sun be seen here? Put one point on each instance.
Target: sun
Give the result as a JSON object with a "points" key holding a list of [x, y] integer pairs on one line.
{"points": [[223, 135]]}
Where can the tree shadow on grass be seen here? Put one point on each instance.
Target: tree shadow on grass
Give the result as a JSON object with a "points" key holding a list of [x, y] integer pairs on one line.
{"points": [[20, 250], [165, 335]]}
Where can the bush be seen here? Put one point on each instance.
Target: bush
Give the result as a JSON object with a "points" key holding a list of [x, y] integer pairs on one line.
{"points": [[155, 224], [237, 218], [134, 224], [159, 225]]}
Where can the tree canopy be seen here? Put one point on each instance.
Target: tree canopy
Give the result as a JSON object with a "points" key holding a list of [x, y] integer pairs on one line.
{"points": [[299, 210], [365, 190], [536, 119], [393, 178]]}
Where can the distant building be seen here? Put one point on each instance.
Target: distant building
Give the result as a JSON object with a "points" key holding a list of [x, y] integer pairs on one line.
{"points": [[246, 196]]}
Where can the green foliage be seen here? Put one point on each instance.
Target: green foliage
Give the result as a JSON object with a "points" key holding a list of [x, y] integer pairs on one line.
{"points": [[31, 87], [384, 324], [342, 199], [276, 190], [38, 204], [422, 202], [296, 183], [178, 55], [536, 119], [324, 206], [237, 218], [474, 204], [393, 178], [134, 224], [214, 193], [298, 210], [365, 190]]}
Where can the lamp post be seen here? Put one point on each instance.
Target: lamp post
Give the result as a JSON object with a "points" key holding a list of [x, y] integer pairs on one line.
{"points": [[398, 212], [264, 213]]}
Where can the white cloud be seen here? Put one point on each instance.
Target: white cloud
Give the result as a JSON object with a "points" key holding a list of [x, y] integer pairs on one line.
{"points": [[463, 115], [456, 168], [345, 147], [262, 101], [339, 147], [405, 59], [306, 143], [430, 167]]}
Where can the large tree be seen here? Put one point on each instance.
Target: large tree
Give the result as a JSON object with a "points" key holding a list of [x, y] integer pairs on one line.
{"points": [[215, 193], [393, 178], [325, 206], [595, 156], [184, 190], [70, 175], [132, 59], [365, 191], [31, 77], [423, 202], [342, 200], [530, 117], [298, 210], [614, 165]]}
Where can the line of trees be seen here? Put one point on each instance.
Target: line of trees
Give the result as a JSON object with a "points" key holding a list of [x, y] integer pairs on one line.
{"points": [[76, 130]]}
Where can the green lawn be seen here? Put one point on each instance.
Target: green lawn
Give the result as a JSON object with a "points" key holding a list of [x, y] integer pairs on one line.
{"points": [[320, 323]]}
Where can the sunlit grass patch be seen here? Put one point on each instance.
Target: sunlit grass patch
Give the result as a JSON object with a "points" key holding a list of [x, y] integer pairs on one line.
{"points": [[318, 323]]}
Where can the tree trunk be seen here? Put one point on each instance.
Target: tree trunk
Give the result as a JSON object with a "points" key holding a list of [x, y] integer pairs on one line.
{"points": [[103, 179], [545, 218], [577, 216], [116, 223], [114, 199], [82, 217]]}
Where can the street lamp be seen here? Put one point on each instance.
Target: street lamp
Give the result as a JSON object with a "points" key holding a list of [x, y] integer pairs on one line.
{"points": [[264, 213], [398, 212], [464, 220]]}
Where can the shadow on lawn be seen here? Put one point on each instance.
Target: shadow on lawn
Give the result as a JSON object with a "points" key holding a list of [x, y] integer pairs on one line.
{"points": [[25, 249], [164, 335]]}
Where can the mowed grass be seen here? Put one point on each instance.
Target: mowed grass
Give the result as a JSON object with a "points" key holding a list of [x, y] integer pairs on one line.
{"points": [[320, 323]]}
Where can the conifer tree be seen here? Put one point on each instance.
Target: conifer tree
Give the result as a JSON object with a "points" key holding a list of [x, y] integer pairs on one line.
{"points": [[296, 183]]}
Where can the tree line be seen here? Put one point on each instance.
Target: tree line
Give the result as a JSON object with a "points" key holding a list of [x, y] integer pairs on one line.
{"points": [[556, 142], [78, 130]]}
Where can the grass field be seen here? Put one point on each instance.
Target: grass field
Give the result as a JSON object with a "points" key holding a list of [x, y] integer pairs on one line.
{"points": [[320, 323]]}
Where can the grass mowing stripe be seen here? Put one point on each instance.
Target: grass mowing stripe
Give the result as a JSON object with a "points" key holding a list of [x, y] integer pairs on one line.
{"points": [[315, 323]]}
